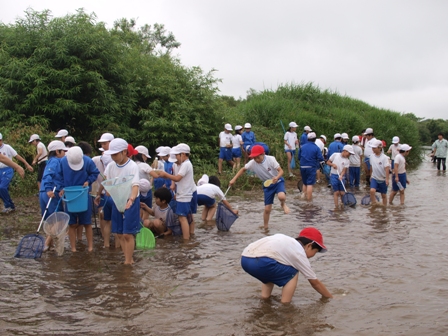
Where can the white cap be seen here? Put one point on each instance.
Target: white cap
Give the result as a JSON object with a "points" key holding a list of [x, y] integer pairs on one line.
{"points": [[61, 133], [247, 125], [349, 149], [117, 145], [395, 140], [56, 145], [337, 135], [75, 158], [307, 128], [34, 137], [344, 136], [173, 152], [376, 143], [228, 127], [144, 186], [311, 135], [183, 148], [143, 150], [164, 151], [405, 147], [238, 127], [172, 158], [293, 124], [203, 180], [101, 149], [70, 139], [106, 137], [355, 138], [323, 137], [158, 149], [1, 136], [368, 131]]}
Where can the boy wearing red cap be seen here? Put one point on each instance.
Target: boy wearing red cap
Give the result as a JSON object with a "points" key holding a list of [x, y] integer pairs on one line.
{"points": [[266, 168], [278, 259]]}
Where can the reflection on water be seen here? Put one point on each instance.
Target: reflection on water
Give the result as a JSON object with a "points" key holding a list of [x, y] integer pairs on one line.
{"points": [[387, 266]]}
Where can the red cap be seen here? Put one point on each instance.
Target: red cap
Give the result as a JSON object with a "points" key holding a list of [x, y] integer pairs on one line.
{"points": [[256, 150], [131, 151], [314, 235]]}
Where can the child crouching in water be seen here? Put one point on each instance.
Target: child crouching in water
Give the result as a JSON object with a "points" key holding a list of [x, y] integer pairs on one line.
{"points": [[157, 225], [125, 225]]}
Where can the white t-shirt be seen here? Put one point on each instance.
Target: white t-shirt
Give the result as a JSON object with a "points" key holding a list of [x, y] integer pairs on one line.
{"points": [[283, 249], [319, 143], [400, 162], [185, 187], [143, 170], [340, 162], [100, 166], [129, 168], [368, 151], [355, 159], [225, 139], [394, 151], [161, 213], [44, 156], [237, 141], [211, 191], [291, 138], [8, 151], [378, 164], [106, 158], [265, 170]]}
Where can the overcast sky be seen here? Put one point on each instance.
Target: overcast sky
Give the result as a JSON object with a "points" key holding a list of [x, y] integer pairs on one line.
{"points": [[391, 54]]}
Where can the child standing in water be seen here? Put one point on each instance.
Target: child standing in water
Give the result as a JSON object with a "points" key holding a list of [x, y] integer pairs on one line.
{"points": [[291, 143], [278, 259], [266, 168], [237, 142], [399, 178]]}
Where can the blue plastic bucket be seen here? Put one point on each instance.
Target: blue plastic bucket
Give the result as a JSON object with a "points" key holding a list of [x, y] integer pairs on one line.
{"points": [[76, 198]]}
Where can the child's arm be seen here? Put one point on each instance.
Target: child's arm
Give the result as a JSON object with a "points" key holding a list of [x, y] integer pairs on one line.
{"points": [[227, 204], [240, 172], [146, 208], [387, 170], [5, 160], [21, 159], [320, 288], [133, 196], [280, 174], [175, 178], [341, 176]]}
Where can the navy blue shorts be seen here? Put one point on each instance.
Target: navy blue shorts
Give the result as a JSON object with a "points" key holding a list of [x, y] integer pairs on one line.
{"points": [[380, 186], [367, 161], [392, 165], [206, 200], [336, 183], [269, 192], [127, 222], [236, 152], [268, 270], [107, 208], [308, 176], [183, 208], [83, 218], [401, 179], [225, 153]]}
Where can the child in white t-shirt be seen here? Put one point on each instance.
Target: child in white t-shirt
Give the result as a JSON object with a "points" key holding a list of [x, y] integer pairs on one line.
{"points": [[291, 143], [186, 195], [339, 163], [237, 143], [399, 178], [266, 168], [125, 225]]}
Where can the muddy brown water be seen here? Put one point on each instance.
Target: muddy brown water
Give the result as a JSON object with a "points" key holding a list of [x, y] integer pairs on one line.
{"points": [[388, 269]]}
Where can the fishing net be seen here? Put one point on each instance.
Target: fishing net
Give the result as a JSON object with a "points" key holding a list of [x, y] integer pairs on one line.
{"points": [[224, 217], [31, 246], [349, 199], [366, 199], [145, 239], [119, 189], [56, 226], [172, 220]]}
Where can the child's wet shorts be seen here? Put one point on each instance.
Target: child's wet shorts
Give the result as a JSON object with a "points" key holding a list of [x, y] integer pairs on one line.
{"points": [[380, 186], [107, 208], [205, 200], [402, 179], [269, 192], [268, 270], [336, 183]]}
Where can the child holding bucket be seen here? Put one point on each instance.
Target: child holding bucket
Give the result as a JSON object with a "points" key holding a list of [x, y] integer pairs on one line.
{"points": [[50, 179], [125, 225], [78, 170]]}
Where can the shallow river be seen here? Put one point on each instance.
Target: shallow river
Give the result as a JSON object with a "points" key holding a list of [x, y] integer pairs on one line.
{"points": [[388, 269]]}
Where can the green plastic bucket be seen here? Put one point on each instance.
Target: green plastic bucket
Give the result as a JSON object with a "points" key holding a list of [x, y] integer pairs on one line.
{"points": [[76, 198]]}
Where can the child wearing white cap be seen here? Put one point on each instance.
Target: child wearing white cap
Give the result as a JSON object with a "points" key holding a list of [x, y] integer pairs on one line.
{"points": [[354, 170], [186, 194], [7, 173], [248, 137], [145, 172], [237, 143], [225, 147], [369, 139], [41, 157], [77, 169], [339, 163], [125, 225], [393, 150], [304, 136], [61, 135], [379, 172], [165, 165], [291, 143], [399, 178]]}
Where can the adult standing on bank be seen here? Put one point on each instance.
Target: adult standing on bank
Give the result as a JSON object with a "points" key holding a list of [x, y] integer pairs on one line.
{"points": [[40, 158], [440, 148], [7, 173]]}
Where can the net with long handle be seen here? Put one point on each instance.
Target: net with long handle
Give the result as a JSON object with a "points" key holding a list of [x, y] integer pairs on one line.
{"points": [[56, 226], [224, 217]]}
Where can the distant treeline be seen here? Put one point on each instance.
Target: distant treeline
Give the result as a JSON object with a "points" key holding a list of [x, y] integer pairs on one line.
{"points": [[72, 72]]}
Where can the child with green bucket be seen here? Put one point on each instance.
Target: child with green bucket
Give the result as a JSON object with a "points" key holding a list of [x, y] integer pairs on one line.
{"points": [[78, 170], [127, 224]]}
